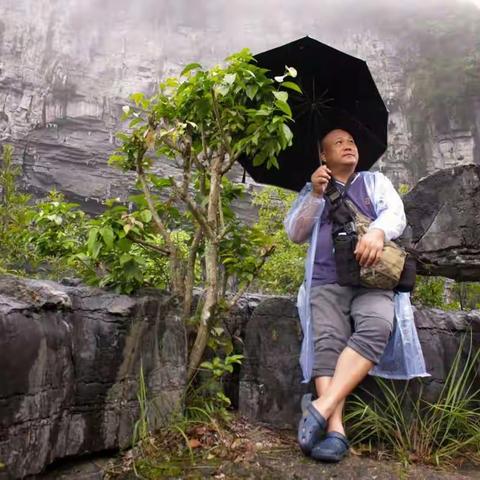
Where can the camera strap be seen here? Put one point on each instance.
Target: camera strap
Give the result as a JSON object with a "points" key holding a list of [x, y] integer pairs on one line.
{"points": [[341, 214]]}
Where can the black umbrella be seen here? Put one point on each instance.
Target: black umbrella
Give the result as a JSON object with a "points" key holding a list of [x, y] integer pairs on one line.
{"points": [[338, 92]]}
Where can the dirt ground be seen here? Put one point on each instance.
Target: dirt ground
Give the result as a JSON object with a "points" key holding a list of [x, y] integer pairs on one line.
{"points": [[279, 464], [254, 452]]}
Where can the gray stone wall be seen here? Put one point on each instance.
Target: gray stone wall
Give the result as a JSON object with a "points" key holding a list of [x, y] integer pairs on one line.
{"points": [[270, 378], [70, 361]]}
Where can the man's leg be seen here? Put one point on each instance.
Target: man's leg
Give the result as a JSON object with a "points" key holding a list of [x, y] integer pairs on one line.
{"points": [[335, 422], [350, 371], [372, 311], [331, 330], [331, 325]]}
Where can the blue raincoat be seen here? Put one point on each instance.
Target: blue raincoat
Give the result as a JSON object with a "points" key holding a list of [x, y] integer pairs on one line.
{"points": [[403, 357]]}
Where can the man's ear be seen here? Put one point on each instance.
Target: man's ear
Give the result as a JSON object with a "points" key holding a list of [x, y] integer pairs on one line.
{"points": [[323, 158]]}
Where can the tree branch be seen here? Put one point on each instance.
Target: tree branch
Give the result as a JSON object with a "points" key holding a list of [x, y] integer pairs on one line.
{"points": [[225, 141], [195, 209], [190, 275], [241, 292], [160, 226], [152, 246]]}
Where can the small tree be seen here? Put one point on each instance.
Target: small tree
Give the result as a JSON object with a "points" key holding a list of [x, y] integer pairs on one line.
{"points": [[202, 122]]}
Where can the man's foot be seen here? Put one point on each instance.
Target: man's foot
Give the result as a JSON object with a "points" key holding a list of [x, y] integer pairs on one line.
{"points": [[311, 427], [331, 449]]}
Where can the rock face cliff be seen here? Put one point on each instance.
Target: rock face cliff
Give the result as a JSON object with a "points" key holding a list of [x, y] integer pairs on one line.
{"points": [[67, 67]]}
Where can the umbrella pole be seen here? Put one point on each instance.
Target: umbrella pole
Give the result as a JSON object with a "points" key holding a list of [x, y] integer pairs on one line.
{"points": [[319, 150]]}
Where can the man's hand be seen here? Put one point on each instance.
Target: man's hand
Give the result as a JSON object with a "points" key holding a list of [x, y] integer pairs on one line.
{"points": [[320, 178], [369, 247]]}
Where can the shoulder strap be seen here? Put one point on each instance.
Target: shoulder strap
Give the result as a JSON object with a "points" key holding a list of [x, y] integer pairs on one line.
{"points": [[332, 192], [341, 213]]}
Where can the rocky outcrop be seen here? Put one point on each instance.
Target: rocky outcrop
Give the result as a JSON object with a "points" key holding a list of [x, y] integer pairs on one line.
{"points": [[70, 360], [270, 378], [67, 68], [442, 212]]}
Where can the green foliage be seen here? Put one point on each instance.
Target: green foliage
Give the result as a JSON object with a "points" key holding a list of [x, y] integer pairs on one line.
{"points": [[14, 216], [466, 296], [429, 291], [283, 270], [413, 429], [236, 109], [210, 391], [435, 292], [57, 227], [112, 258]]}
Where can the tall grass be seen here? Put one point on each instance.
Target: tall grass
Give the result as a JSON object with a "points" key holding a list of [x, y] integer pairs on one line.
{"points": [[141, 429], [412, 429]]}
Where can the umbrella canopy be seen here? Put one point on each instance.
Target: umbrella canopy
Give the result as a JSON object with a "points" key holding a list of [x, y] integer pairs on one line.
{"points": [[338, 92]]}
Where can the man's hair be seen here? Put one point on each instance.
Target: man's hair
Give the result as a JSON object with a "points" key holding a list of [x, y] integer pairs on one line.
{"points": [[322, 148]]}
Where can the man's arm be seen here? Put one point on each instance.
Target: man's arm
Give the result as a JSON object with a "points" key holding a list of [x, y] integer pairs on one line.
{"points": [[305, 211], [308, 207], [388, 225], [389, 208]]}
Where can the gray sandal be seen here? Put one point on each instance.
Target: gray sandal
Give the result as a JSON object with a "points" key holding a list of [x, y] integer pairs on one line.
{"points": [[311, 427]]}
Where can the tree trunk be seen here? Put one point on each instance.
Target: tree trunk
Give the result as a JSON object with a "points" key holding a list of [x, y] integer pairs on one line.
{"points": [[211, 270]]}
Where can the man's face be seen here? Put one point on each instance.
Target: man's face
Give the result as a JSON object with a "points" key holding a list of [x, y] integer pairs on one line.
{"points": [[339, 149]]}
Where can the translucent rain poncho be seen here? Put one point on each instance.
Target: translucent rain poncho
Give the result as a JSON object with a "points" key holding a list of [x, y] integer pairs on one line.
{"points": [[403, 357]]}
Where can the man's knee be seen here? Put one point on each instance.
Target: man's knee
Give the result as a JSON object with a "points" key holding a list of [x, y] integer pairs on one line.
{"points": [[371, 337]]}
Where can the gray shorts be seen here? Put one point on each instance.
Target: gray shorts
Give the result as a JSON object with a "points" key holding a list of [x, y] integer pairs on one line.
{"points": [[357, 317]]}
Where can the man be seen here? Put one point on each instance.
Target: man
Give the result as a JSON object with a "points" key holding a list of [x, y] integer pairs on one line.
{"points": [[346, 329]]}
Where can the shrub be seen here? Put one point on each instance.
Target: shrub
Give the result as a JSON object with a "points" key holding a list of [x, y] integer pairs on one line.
{"points": [[413, 429]]}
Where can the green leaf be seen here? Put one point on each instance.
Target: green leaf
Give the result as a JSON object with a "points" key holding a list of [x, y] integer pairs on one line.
{"points": [[222, 89], [138, 98], [96, 250], [251, 91], [160, 182], [92, 239], [224, 398], [124, 258], [271, 162], [124, 244], [292, 86], [189, 68], [281, 96], [258, 160], [230, 78], [108, 236], [287, 133], [136, 121], [146, 216], [234, 359], [284, 107]]}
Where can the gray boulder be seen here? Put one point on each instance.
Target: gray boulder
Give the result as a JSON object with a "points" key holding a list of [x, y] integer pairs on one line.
{"points": [[442, 212], [70, 362]]}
